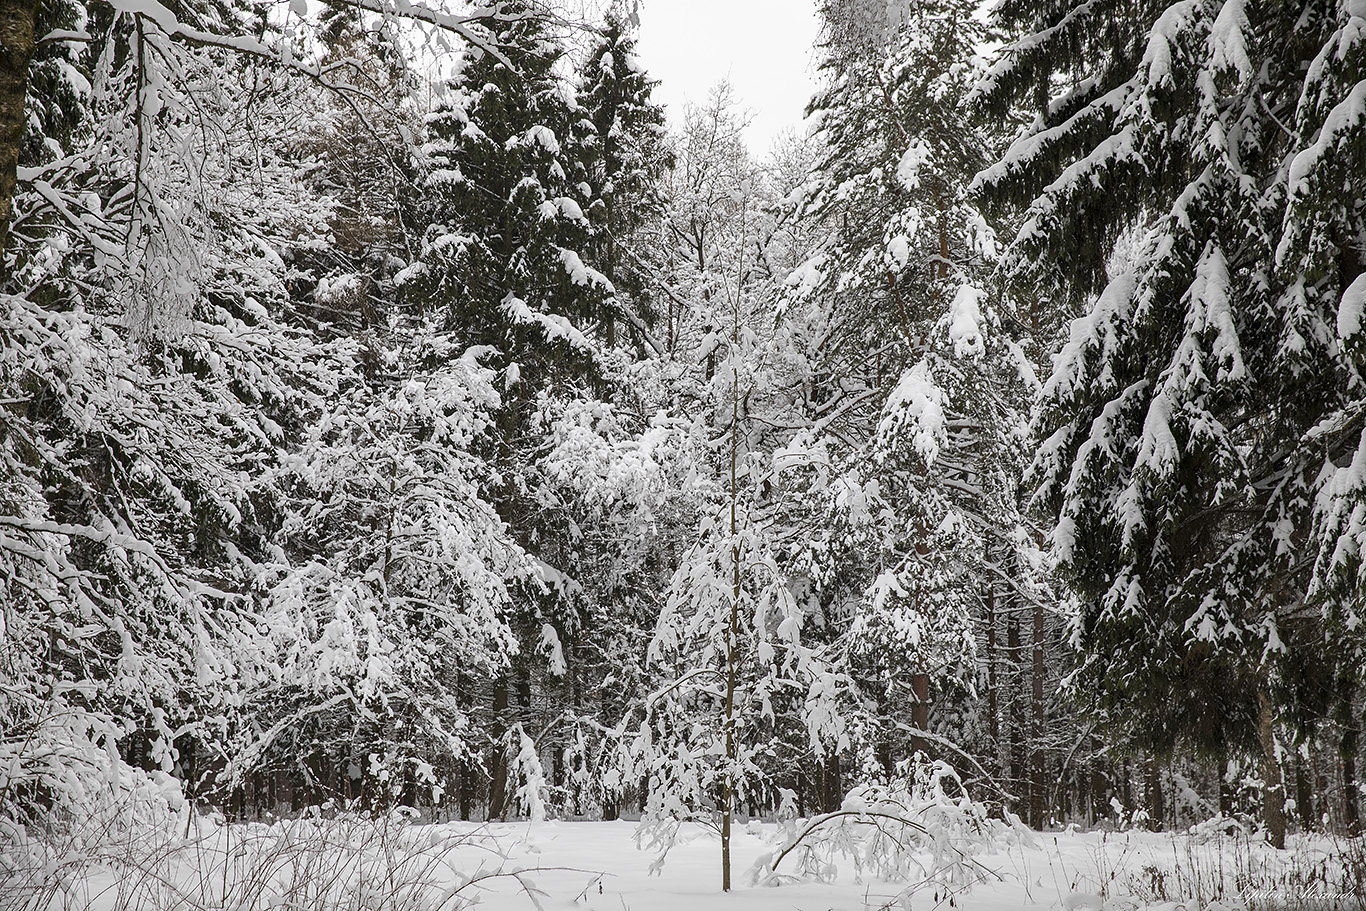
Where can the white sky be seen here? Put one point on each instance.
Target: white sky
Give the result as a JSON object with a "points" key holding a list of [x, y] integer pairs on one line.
{"points": [[763, 46]]}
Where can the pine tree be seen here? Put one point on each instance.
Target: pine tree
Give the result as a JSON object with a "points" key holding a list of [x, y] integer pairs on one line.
{"points": [[508, 190], [1189, 419], [918, 381], [628, 158]]}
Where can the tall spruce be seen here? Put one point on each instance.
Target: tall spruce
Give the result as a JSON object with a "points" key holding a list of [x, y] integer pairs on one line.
{"points": [[1211, 392], [508, 190], [628, 157], [502, 266], [917, 384]]}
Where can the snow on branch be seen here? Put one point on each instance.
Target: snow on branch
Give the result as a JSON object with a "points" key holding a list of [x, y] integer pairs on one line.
{"points": [[915, 408], [921, 829], [555, 327]]}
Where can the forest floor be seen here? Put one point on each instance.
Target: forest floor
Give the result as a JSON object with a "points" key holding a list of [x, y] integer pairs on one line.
{"points": [[356, 864], [597, 867]]}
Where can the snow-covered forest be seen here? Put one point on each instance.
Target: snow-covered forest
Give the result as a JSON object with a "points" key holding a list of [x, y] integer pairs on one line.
{"points": [[416, 443]]}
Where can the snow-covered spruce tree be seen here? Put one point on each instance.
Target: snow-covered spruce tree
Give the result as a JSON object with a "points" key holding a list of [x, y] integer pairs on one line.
{"points": [[627, 159], [502, 266], [1321, 255], [1210, 396], [507, 186], [918, 386], [602, 466]]}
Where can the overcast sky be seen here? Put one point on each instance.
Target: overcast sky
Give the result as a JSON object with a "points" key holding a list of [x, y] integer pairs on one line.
{"points": [[763, 46]]}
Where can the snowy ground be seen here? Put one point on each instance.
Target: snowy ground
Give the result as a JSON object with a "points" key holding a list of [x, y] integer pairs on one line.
{"points": [[596, 866], [600, 869]]}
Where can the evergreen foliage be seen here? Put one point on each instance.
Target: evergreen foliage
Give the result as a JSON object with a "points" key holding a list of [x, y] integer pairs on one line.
{"points": [[508, 191], [511, 454], [628, 156], [1210, 394], [919, 382]]}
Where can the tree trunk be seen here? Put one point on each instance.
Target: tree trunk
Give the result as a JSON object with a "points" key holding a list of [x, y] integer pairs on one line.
{"points": [[611, 800], [18, 19], [1225, 789], [1347, 750], [1157, 805], [732, 662], [1304, 798], [1099, 806], [733, 630], [831, 792], [1038, 782], [464, 768], [282, 795], [1016, 721], [1273, 787], [993, 708], [466, 790], [498, 767], [920, 710]]}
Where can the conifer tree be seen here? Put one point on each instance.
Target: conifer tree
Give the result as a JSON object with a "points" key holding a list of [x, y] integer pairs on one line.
{"points": [[918, 381], [502, 268], [1210, 394], [508, 189], [628, 157]]}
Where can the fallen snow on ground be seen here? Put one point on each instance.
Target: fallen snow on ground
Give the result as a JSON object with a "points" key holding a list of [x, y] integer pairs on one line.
{"points": [[595, 866], [357, 863]]}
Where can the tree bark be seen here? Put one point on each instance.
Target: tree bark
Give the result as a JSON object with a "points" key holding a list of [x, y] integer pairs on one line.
{"points": [[1016, 720], [1273, 786], [832, 795], [1038, 782], [1225, 789], [498, 767], [1347, 751], [1100, 807], [920, 710], [1304, 797], [464, 768], [1157, 805], [18, 19], [993, 707]]}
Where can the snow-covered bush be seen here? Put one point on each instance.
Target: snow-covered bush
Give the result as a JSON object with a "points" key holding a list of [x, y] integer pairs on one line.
{"points": [[106, 814], [920, 829], [347, 863]]}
